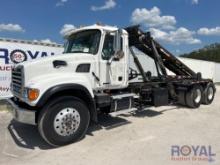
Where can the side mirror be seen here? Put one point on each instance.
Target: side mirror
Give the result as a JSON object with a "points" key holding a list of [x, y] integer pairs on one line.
{"points": [[117, 56], [117, 47], [117, 40]]}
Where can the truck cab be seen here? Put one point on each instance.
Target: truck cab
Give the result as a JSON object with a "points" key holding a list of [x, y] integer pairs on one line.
{"points": [[62, 94], [109, 47]]}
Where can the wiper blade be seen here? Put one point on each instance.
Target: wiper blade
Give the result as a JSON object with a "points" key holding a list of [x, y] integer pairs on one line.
{"points": [[77, 52], [80, 52]]}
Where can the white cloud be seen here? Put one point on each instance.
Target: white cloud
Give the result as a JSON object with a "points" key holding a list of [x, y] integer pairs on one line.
{"points": [[195, 2], [209, 32], [61, 3], [47, 41], [66, 28], [109, 4], [179, 36], [11, 28], [152, 18]]}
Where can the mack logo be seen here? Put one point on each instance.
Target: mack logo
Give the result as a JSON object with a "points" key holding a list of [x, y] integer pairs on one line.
{"points": [[17, 56]]}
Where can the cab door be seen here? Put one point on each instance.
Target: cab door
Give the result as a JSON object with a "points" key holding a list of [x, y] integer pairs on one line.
{"points": [[112, 71]]}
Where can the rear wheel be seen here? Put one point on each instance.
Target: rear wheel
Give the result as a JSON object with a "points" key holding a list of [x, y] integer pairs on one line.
{"points": [[194, 96], [208, 94], [63, 121]]}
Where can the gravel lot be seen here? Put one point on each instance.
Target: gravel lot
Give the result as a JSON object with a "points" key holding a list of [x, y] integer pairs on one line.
{"points": [[142, 138]]}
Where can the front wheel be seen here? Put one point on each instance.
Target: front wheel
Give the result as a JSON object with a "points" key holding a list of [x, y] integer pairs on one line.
{"points": [[63, 121]]}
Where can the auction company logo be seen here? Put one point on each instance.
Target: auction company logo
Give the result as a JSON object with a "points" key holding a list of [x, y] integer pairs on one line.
{"points": [[4, 68], [199, 153], [4, 89], [18, 56]]}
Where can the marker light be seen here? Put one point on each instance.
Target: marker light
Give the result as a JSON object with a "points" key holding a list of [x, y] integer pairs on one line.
{"points": [[33, 94]]}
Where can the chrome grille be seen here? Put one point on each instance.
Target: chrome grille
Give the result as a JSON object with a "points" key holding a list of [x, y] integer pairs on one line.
{"points": [[17, 80]]}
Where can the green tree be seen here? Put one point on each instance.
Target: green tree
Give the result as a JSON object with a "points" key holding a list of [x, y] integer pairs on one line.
{"points": [[208, 53]]}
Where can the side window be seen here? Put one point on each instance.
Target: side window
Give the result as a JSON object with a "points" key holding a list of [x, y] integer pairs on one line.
{"points": [[108, 47]]}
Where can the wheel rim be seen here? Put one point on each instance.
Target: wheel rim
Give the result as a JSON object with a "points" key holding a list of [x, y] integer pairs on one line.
{"points": [[67, 121], [210, 93], [198, 95]]}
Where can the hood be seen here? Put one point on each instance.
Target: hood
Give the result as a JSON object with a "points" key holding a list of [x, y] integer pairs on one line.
{"points": [[44, 66]]}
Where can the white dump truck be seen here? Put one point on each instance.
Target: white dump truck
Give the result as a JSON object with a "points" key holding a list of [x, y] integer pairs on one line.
{"points": [[61, 95]]}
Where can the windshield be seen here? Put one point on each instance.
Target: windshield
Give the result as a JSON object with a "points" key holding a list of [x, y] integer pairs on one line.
{"points": [[83, 42]]}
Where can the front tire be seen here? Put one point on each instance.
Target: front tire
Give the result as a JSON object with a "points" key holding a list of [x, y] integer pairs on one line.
{"points": [[63, 121]]}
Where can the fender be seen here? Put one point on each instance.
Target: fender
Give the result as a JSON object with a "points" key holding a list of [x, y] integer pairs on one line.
{"points": [[73, 89]]}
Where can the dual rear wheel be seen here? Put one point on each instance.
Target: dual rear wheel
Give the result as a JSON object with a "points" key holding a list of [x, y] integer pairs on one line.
{"points": [[198, 95], [209, 94]]}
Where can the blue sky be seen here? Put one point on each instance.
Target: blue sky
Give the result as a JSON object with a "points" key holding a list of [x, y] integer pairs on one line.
{"points": [[180, 25]]}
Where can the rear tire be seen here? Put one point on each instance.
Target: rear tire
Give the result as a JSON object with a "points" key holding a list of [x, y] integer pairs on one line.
{"points": [[208, 94], [194, 96], [63, 121]]}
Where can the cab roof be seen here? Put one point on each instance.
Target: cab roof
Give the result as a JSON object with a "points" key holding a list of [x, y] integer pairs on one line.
{"points": [[95, 26]]}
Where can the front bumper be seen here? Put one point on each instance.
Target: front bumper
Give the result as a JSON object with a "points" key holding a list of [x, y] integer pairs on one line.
{"points": [[22, 114]]}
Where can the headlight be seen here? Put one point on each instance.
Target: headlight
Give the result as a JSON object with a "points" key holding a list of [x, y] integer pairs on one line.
{"points": [[31, 94]]}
